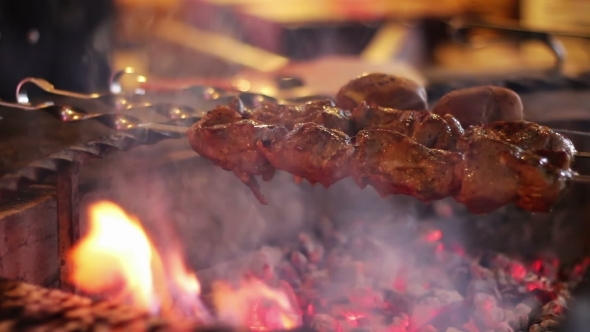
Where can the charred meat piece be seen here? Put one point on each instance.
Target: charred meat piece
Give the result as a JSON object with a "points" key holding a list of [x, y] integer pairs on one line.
{"points": [[312, 152], [223, 137], [532, 136], [319, 112], [428, 129], [496, 173], [383, 90], [395, 164], [527, 136], [481, 105]]}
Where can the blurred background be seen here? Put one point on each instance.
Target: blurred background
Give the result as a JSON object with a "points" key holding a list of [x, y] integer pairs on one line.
{"points": [[77, 44]]}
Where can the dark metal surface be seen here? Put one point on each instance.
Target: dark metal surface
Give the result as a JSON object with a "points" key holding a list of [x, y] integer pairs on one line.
{"points": [[28, 137], [34, 145]]}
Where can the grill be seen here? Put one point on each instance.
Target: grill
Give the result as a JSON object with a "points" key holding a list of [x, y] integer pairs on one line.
{"points": [[507, 231]]}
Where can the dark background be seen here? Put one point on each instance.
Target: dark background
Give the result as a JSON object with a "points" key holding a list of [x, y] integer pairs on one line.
{"points": [[72, 46]]}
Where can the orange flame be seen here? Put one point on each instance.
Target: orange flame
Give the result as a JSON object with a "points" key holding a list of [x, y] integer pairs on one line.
{"points": [[254, 305], [117, 259]]}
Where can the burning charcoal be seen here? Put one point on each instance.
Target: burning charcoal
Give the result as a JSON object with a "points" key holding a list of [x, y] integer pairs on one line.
{"points": [[325, 323], [486, 309], [554, 308], [518, 318], [287, 272], [447, 296], [366, 298], [503, 327], [470, 327], [333, 293], [299, 261], [261, 266], [317, 279], [399, 324], [425, 310], [427, 328], [543, 296], [461, 278], [346, 272], [349, 325], [326, 229], [487, 286], [522, 309], [288, 291], [545, 326], [361, 329], [313, 249], [397, 303]]}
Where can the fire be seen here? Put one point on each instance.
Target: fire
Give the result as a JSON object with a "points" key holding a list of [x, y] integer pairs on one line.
{"points": [[117, 259], [115, 251], [255, 305]]}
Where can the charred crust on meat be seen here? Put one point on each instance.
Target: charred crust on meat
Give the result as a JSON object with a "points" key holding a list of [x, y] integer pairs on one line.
{"points": [[410, 152], [383, 90]]}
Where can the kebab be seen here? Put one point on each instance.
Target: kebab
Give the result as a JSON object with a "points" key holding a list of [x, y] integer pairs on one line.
{"points": [[391, 159], [482, 172]]}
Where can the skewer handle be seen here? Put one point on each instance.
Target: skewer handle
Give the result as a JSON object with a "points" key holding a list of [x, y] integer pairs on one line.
{"points": [[585, 179]]}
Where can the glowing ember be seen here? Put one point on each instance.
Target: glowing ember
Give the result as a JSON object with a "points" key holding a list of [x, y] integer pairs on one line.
{"points": [[255, 305], [338, 286], [117, 259]]}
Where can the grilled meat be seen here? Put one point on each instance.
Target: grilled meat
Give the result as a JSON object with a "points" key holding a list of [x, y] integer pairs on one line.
{"points": [[527, 136], [229, 141], [383, 90], [395, 164], [312, 152], [322, 112], [481, 105], [425, 128], [532, 136], [410, 152], [445, 132], [496, 173]]}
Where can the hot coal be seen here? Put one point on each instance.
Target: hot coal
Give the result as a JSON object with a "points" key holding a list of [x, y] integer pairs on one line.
{"points": [[350, 280]]}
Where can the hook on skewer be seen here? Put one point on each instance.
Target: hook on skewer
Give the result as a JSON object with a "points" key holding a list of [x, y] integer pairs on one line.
{"points": [[22, 90]]}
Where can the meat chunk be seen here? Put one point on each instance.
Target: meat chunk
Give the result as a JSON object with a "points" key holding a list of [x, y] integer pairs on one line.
{"points": [[230, 142], [481, 105], [395, 164], [532, 136], [496, 173], [527, 136], [322, 112], [383, 90], [312, 152], [428, 129]]}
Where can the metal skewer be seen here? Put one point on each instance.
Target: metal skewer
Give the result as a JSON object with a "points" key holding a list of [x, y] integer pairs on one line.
{"points": [[585, 179], [22, 92], [171, 111], [111, 120]]}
